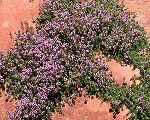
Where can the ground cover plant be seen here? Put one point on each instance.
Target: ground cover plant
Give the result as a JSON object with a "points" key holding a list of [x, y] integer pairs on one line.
{"points": [[51, 67]]}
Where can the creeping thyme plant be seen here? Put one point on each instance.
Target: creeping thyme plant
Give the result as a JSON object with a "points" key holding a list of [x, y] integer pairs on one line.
{"points": [[44, 70]]}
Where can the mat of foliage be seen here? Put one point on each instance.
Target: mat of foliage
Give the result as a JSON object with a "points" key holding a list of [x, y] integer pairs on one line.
{"points": [[44, 70]]}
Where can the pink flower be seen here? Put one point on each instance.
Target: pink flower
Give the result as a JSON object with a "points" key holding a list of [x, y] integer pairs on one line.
{"points": [[107, 17]]}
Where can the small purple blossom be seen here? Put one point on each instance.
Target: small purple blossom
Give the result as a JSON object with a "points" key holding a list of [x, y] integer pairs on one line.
{"points": [[134, 32], [124, 17], [89, 4], [107, 18], [99, 12], [1, 79]]}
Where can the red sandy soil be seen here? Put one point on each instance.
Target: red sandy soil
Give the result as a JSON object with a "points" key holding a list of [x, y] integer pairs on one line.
{"points": [[95, 109], [120, 73], [5, 106], [13, 12]]}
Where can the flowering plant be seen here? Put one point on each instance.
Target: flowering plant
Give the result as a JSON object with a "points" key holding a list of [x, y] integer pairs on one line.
{"points": [[43, 69]]}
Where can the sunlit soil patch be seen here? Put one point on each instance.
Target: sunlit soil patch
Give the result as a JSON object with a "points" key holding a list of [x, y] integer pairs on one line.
{"points": [[94, 109], [6, 106], [121, 74], [124, 114], [12, 13]]}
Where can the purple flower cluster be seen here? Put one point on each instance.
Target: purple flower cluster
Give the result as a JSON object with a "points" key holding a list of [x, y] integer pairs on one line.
{"points": [[61, 51], [38, 73], [49, 56], [37, 61], [40, 65]]}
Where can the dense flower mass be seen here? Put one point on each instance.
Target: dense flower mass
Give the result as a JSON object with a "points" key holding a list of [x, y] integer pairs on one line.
{"points": [[43, 58], [39, 67], [57, 61]]}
